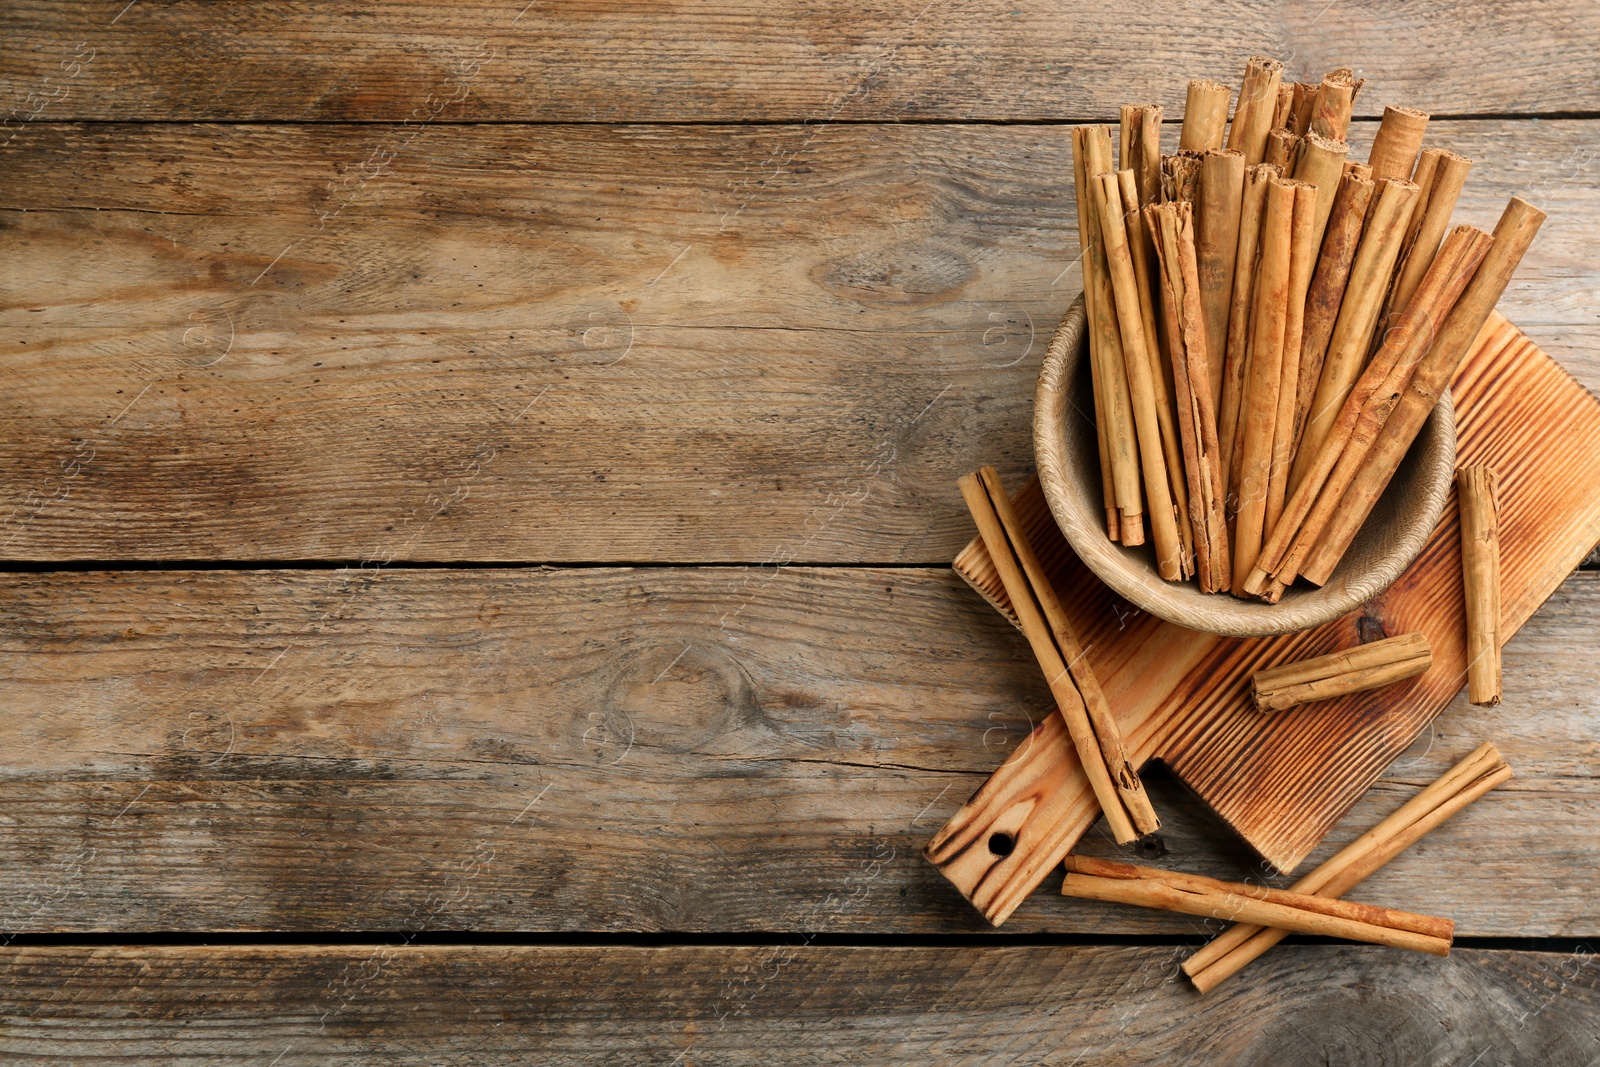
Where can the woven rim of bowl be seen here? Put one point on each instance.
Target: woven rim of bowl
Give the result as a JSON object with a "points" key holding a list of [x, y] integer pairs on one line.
{"points": [[1216, 613]]}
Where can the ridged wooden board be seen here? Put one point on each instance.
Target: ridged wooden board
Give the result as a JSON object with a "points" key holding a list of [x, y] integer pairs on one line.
{"points": [[353, 1005], [1283, 780], [883, 60]]}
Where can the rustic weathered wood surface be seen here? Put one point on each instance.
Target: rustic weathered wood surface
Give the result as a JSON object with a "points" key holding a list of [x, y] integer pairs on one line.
{"points": [[791, 1004], [722, 365], [724, 285]]}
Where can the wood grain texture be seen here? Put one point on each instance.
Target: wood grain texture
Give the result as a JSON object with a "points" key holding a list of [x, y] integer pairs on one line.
{"points": [[1182, 697], [684, 749], [789, 1004], [741, 59], [759, 343]]}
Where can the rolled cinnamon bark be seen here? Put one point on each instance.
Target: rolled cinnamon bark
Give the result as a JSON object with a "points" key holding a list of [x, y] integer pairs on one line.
{"points": [[1446, 174], [1233, 949], [1302, 258], [1160, 366], [1205, 116], [1217, 245], [1141, 149], [1478, 490], [1365, 411], [1180, 177], [1283, 149], [1358, 314], [1305, 100], [1330, 114], [1181, 301], [1399, 137], [1321, 163], [1260, 408], [1512, 235], [1355, 670], [1086, 237], [1252, 207], [1258, 100], [1141, 381], [1093, 145], [1340, 239]]}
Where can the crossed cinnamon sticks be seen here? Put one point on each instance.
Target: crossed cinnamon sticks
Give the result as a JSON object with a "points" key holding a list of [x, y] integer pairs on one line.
{"points": [[1079, 699], [1271, 322], [1266, 915]]}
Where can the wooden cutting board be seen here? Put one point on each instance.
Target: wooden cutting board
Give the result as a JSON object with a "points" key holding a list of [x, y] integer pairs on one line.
{"points": [[1284, 780]]}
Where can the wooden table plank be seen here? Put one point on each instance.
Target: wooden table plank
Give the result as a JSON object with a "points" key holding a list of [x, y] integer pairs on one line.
{"points": [[680, 749], [510, 60], [727, 359], [790, 1004]]}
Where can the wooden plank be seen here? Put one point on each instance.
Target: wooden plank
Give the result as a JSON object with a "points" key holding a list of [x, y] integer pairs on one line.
{"points": [[745, 361], [680, 749], [1282, 781], [740, 59], [789, 1004]]}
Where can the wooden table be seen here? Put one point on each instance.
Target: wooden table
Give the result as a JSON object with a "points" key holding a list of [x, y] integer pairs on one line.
{"points": [[479, 486]]}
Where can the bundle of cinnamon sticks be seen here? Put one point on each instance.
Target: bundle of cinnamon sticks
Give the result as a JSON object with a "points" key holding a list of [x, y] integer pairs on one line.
{"points": [[1271, 323]]}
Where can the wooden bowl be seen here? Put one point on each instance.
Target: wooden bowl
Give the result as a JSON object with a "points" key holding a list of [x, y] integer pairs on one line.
{"points": [[1069, 469]]}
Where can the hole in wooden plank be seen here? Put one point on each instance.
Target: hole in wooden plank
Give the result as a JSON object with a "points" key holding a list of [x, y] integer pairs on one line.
{"points": [[1001, 844]]}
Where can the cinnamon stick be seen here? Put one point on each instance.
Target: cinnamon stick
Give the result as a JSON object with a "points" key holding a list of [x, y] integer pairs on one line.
{"points": [[1252, 207], [1395, 146], [1338, 674], [1512, 235], [1365, 411], [1091, 150], [1330, 114], [1478, 490], [1069, 701], [1321, 163], [1305, 100], [1141, 149], [1217, 246], [1205, 116], [1258, 100], [1140, 250], [1283, 149], [1260, 407], [1189, 894], [1302, 258], [1445, 174], [1283, 110], [1180, 177], [1340, 239], [1108, 735], [1182, 303], [1097, 376], [1233, 949], [1358, 314], [1138, 358]]}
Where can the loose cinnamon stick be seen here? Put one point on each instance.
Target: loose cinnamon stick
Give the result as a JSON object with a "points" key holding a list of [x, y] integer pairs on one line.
{"points": [[1399, 137], [1330, 114], [1446, 173], [1338, 674], [1478, 490], [1069, 702], [1512, 235], [1302, 258], [1141, 149], [1360, 421], [1233, 949], [1260, 407], [1182, 290], [1205, 116], [1137, 356], [1125, 883], [1108, 735], [1321, 163], [1283, 149], [1253, 206], [1258, 100], [1092, 150], [1358, 314], [1340, 239], [1160, 365], [1086, 236], [1217, 246]]}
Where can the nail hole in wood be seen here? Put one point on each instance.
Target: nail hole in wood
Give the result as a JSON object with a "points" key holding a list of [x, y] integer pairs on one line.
{"points": [[1001, 844]]}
